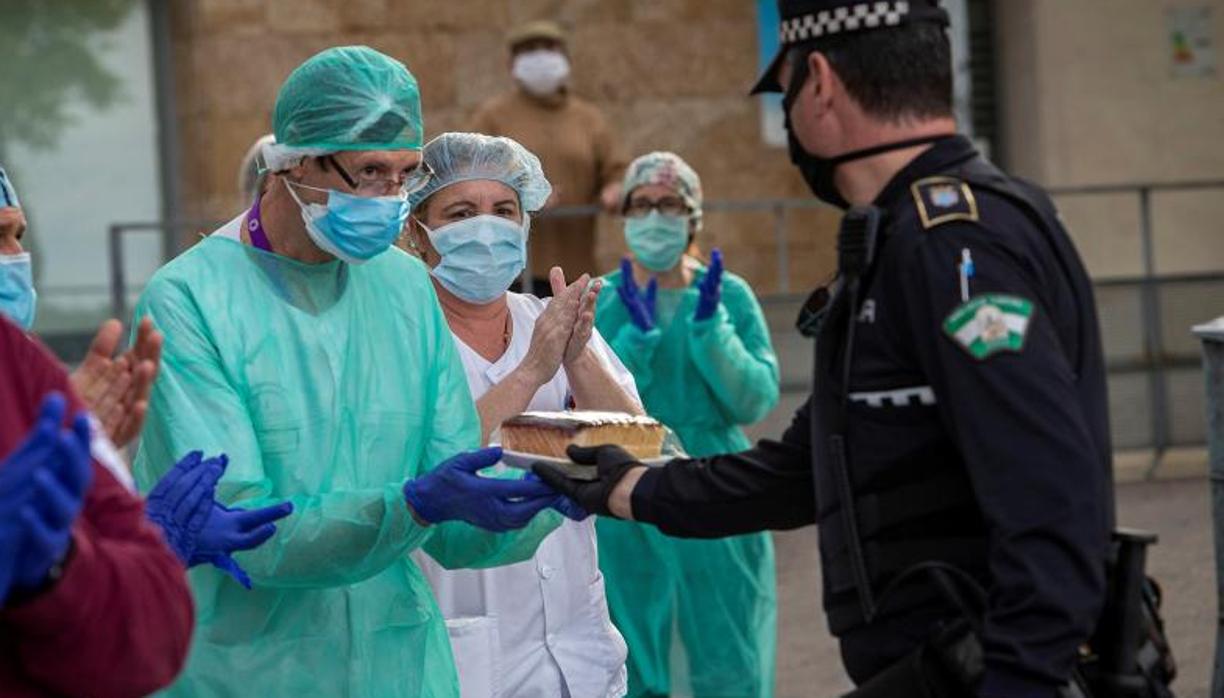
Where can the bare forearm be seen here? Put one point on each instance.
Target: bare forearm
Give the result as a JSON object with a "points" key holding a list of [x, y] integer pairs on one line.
{"points": [[595, 388], [504, 400]]}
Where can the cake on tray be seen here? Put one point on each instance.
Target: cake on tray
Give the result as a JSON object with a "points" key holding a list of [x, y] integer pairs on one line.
{"points": [[550, 433]]}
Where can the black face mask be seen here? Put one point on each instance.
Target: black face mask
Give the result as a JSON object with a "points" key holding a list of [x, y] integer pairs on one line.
{"points": [[818, 171]]}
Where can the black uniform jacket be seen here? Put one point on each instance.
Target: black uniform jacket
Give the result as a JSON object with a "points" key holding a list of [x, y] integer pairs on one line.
{"points": [[1003, 397]]}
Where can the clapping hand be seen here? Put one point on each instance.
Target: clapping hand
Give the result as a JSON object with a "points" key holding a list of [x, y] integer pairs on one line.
{"points": [[42, 491], [584, 324], [710, 288], [554, 328], [116, 389], [639, 305], [197, 527]]}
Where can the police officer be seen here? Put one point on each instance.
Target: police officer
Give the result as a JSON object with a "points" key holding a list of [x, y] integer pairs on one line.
{"points": [[955, 450]]}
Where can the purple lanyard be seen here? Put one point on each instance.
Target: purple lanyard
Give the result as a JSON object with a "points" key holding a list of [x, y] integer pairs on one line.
{"points": [[255, 229]]}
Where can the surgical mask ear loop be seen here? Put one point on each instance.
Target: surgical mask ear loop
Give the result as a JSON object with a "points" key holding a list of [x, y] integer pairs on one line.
{"points": [[408, 235]]}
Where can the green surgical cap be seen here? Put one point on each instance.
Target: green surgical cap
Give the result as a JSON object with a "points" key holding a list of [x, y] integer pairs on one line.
{"points": [[346, 98], [458, 157]]}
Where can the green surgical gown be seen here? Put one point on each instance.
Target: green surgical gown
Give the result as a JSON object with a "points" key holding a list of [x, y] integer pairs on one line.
{"points": [[702, 379], [328, 385]]}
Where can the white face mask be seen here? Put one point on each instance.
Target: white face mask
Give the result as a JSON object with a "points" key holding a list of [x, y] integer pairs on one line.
{"points": [[542, 72]]}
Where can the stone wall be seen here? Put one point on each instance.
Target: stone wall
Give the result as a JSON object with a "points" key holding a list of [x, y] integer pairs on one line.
{"points": [[671, 74], [1087, 99]]}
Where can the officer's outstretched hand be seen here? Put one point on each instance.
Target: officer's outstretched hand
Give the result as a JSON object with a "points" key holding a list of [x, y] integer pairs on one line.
{"points": [[611, 463], [455, 491]]}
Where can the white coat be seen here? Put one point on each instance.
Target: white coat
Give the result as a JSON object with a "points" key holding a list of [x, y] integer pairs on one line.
{"points": [[538, 628]]}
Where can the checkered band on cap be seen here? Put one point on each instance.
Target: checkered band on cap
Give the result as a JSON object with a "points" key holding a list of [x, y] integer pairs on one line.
{"points": [[864, 15]]}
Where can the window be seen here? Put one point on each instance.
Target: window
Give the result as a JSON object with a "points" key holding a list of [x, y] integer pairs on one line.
{"points": [[78, 136]]}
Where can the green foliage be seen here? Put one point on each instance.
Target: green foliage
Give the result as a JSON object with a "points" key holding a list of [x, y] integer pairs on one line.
{"points": [[48, 61]]}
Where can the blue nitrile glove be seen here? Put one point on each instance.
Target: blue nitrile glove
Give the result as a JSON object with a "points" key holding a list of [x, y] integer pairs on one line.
{"points": [[566, 506], [641, 306], [710, 288], [17, 482], [180, 502], [454, 491], [60, 484], [198, 528], [229, 530]]}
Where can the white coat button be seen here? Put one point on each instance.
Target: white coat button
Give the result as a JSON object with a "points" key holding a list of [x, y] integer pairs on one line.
{"points": [[546, 571], [550, 639]]}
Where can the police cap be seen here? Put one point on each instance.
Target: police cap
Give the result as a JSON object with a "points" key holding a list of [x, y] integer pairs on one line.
{"points": [[805, 21]]}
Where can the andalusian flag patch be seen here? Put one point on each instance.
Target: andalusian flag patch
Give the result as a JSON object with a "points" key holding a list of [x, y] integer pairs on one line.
{"points": [[989, 323]]}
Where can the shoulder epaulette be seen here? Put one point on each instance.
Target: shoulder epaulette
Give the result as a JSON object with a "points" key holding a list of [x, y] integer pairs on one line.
{"points": [[943, 199]]}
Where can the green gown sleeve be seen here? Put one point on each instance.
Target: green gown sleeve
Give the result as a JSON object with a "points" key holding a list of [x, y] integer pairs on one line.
{"points": [[333, 538], [734, 355], [636, 349]]}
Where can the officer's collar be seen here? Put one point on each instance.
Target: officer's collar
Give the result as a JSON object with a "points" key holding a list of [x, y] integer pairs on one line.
{"points": [[940, 157]]}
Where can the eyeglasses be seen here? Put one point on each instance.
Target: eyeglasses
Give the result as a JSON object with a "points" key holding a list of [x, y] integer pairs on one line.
{"points": [[369, 182], [668, 206]]}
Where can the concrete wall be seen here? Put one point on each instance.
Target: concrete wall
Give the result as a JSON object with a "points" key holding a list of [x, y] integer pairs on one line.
{"points": [[1089, 98], [671, 74]]}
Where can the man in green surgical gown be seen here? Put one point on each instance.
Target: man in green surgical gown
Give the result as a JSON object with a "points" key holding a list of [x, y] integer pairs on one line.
{"points": [[318, 360]]}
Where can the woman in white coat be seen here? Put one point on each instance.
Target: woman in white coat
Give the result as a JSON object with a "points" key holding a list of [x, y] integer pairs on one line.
{"points": [[540, 627]]}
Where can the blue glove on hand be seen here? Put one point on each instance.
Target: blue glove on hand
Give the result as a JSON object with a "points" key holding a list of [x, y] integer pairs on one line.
{"points": [[17, 484], [454, 491], [641, 306], [182, 500], [59, 483], [229, 530], [710, 288], [197, 527]]}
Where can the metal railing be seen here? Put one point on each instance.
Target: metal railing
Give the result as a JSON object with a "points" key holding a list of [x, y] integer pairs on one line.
{"points": [[117, 232], [166, 230], [780, 208], [1154, 359]]}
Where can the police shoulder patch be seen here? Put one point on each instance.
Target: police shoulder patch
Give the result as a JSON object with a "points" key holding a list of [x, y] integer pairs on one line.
{"points": [[989, 323], [942, 199]]}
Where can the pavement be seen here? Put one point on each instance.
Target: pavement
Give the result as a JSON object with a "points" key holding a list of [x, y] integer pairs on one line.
{"points": [[1178, 510]]}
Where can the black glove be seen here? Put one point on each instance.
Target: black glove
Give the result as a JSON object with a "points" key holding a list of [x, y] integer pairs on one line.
{"points": [[611, 463]]}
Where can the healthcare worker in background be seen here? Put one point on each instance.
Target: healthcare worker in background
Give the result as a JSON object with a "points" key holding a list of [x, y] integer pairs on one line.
{"points": [[539, 628], [696, 342], [115, 390], [317, 358]]}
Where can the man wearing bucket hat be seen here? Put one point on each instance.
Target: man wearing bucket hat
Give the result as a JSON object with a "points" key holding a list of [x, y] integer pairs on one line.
{"points": [[313, 355], [957, 436]]}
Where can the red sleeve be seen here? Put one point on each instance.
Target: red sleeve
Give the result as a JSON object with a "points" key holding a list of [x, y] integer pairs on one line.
{"points": [[122, 614]]}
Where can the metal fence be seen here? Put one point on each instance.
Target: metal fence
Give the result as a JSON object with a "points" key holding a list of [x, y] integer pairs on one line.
{"points": [[1144, 316], [1166, 350]]}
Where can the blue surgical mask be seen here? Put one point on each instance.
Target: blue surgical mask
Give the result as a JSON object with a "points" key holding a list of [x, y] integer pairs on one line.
{"points": [[17, 294], [657, 241], [481, 256], [354, 228]]}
